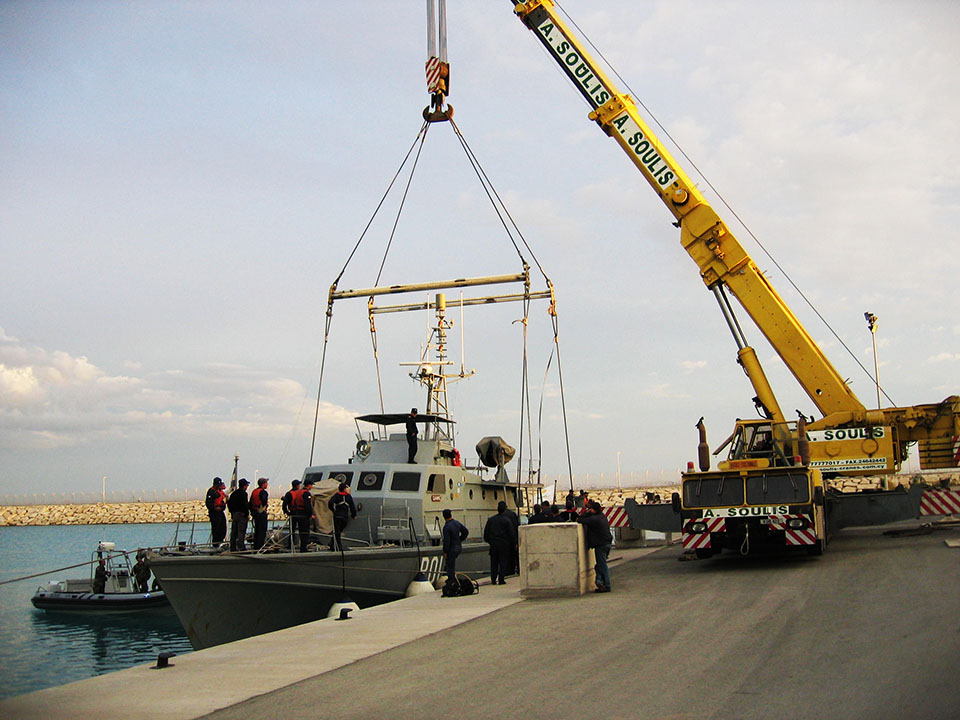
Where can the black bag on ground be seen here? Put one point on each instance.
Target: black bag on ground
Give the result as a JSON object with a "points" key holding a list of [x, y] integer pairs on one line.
{"points": [[460, 585]]}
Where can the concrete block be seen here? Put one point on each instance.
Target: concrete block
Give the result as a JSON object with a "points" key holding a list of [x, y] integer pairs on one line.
{"points": [[554, 560]]}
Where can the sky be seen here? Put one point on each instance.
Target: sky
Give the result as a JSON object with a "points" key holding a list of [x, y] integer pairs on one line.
{"points": [[181, 182]]}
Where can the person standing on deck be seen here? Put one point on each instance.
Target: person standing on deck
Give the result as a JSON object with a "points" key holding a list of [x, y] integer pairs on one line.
{"points": [[216, 502], [500, 534], [344, 510], [301, 509], [239, 507], [454, 533], [412, 436], [285, 505], [258, 509]]}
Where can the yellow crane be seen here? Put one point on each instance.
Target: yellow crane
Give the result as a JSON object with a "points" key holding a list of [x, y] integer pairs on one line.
{"points": [[771, 485]]}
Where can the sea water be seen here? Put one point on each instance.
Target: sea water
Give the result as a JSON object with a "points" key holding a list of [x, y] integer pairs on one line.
{"points": [[40, 649]]}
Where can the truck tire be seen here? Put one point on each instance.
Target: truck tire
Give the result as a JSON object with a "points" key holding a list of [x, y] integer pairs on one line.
{"points": [[817, 548]]}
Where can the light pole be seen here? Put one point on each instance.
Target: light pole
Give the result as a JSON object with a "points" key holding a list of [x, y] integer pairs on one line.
{"points": [[103, 489], [872, 325], [618, 469]]}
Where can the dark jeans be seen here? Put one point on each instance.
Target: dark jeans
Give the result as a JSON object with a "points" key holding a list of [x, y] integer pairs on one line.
{"points": [[452, 563], [218, 526], [411, 449], [501, 555], [303, 528], [259, 529], [603, 572], [238, 531], [339, 525]]}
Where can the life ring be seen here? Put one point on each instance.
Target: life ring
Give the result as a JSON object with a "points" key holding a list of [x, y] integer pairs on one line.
{"points": [[363, 448], [456, 458]]}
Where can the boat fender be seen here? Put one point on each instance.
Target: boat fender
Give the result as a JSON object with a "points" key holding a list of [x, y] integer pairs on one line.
{"points": [[419, 586]]}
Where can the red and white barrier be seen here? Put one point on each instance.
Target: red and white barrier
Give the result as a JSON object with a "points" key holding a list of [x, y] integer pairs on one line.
{"points": [[940, 502], [616, 516]]}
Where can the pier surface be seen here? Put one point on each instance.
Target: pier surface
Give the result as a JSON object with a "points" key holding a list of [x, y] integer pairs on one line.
{"points": [[869, 630]]}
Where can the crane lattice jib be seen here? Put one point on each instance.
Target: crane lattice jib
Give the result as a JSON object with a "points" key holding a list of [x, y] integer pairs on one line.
{"points": [[721, 258]]}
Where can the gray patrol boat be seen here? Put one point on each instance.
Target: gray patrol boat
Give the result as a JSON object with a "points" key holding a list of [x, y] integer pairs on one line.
{"points": [[392, 545]]}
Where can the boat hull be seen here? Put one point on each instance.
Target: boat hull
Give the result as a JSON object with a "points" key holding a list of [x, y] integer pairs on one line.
{"points": [[222, 598], [107, 603]]}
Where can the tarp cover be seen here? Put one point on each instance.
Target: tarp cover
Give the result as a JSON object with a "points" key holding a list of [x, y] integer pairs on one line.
{"points": [[494, 452], [320, 494]]}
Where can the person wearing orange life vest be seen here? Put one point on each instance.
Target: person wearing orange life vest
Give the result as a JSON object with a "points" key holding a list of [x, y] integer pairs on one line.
{"points": [[216, 503], [258, 509], [301, 510], [343, 509]]}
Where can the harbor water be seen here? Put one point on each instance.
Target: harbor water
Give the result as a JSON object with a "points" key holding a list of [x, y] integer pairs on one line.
{"points": [[40, 649]]}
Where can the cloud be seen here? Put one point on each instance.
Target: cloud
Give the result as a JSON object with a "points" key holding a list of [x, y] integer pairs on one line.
{"points": [[663, 391], [944, 357], [691, 365], [53, 399]]}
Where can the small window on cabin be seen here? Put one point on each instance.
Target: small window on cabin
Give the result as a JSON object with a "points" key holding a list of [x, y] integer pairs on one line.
{"points": [[471, 493], [342, 477], [405, 481], [496, 494], [483, 494], [370, 481], [451, 483], [315, 477], [436, 484]]}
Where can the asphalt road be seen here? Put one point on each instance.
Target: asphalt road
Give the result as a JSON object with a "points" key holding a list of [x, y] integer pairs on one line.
{"points": [[869, 630]]}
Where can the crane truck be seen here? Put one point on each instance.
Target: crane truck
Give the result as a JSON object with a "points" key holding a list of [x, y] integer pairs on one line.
{"points": [[772, 489]]}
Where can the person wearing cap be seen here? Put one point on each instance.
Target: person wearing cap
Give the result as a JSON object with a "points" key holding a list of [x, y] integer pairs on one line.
{"points": [[216, 502], [285, 506], [412, 436], [454, 533], [301, 510], [239, 507], [258, 510]]}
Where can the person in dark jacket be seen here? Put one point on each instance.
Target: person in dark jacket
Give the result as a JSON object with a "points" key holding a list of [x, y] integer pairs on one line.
{"points": [[598, 536], [514, 568], [541, 514], [500, 534], [569, 513], [454, 533], [216, 502], [258, 511], [412, 436], [100, 578], [343, 509], [141, 572], [239, 507]]}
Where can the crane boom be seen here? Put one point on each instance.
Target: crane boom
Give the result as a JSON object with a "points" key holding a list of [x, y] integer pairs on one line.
{"points": [[724, 264], [721, 258]]}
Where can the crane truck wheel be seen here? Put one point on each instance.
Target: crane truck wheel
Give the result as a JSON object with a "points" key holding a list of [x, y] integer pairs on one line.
{"points": [[816, 549]]}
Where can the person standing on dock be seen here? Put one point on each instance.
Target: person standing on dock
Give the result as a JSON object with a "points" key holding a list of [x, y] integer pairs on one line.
{"points": [[412, 436], [454, 533], [343, 509], [514, 568], [258, 509], [216, 502], [500, 534], [597, 533], [239, 507]]}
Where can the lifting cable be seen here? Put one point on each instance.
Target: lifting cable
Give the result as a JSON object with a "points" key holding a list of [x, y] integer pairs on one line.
{"points": [[724, 202]]}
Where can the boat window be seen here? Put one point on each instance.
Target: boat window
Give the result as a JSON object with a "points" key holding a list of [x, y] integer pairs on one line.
{"points": [[370, 481], [405, 481], [342, 477], [436, 484], [451, 483], [483, 494], [471, 493], [315, 476]]}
